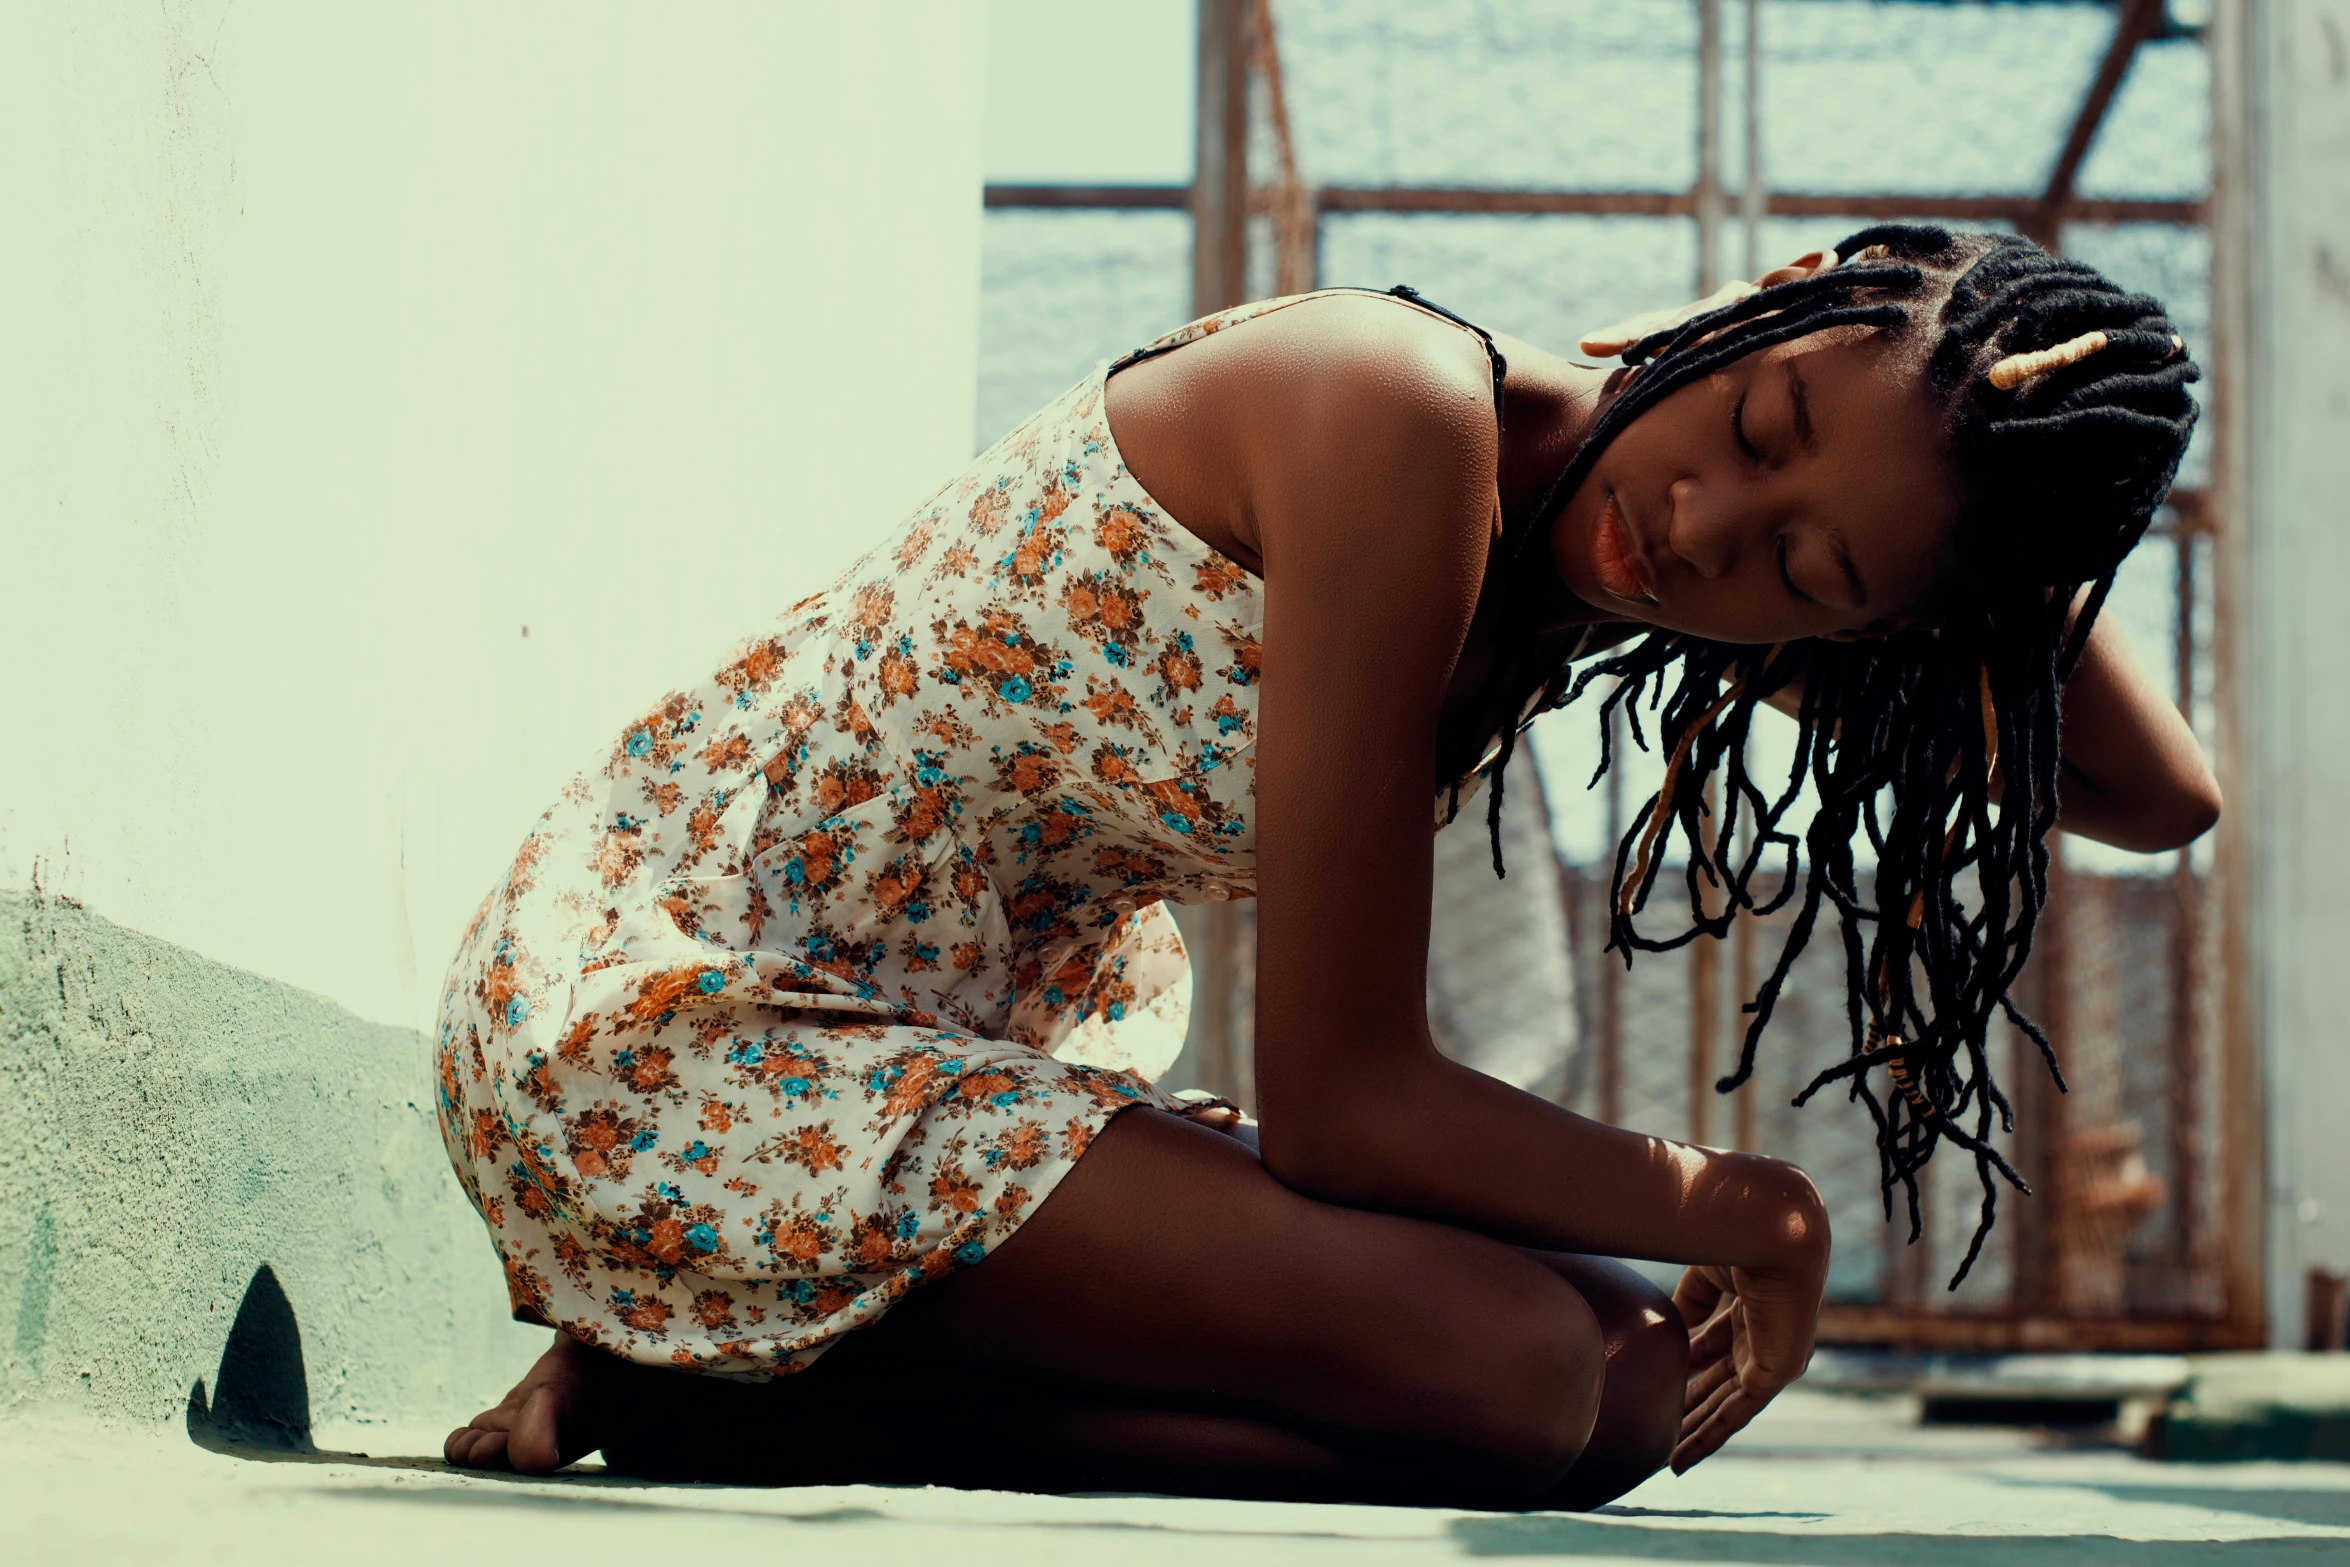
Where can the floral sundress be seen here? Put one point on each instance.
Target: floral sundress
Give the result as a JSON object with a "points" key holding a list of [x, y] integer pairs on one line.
{"points": [[822, 978]]}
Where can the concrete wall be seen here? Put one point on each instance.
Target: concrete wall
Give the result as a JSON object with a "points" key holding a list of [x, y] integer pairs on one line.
{"points": [[168, 1126], [398, 395], [2294, 803]]}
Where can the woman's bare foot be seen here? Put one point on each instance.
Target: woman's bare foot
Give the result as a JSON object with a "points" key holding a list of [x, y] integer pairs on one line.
{"points": [[554, 1416]]}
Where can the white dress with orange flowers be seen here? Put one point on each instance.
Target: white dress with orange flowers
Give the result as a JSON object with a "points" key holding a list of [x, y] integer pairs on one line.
{"points": [[827, 973]]}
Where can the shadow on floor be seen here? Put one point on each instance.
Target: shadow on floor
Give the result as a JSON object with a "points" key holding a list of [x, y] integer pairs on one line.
{"points": [[260, 1405], [258, 1408]]}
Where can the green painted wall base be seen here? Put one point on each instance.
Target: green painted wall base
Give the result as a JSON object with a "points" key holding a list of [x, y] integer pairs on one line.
{"points": [[2238, 1407], [187, 1149]]}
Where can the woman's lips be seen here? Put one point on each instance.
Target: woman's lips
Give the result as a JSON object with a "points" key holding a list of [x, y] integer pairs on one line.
{"points": [[1620, 568]]}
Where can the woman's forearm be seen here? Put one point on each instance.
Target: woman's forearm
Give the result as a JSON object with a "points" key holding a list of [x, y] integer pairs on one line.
{"points": [[2133, 775], [1451, 1144]]}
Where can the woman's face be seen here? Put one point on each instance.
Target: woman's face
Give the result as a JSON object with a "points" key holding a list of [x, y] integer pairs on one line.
{"points": [[1803, 491]]}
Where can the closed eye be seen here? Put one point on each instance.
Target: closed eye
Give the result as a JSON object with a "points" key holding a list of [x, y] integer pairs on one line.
{"points": [[1788, 579], [1738, 430]]}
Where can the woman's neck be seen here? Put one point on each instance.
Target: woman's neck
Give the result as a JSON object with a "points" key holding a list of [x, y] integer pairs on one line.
{"points": [[1549, 406]]}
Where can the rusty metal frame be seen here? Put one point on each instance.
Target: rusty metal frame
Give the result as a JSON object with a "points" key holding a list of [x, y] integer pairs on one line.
{"points": [[1236, 36]]}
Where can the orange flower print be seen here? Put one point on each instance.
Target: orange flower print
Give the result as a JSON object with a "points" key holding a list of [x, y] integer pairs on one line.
{"points": [[1218, 578], [1122, 533], [726, 753], [758, 1032], [1021, 1148], [909, 550], [1179, 666], [797, 1238], [1108, 614], [651, 1070], [812, 1148], [526, 1289], [843, 785], [602, 1143], [1026, 771], [952, 1191], [999, 660], [643, 1316], [988, 512], [659, 996], [619, 854], [519, 878], [754, 669], [868, 617], [898, 677], [878, 1239], [958, 560], [658, 736], [1248, 659], [1035, 553], [489, 1131]]}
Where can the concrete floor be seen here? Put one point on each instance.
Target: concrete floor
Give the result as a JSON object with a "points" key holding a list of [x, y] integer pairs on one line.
{"points": [[1837, 1481]]}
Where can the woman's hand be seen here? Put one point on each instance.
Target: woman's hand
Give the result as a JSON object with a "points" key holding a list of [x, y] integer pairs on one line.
{"points": [[1609, 341], [1750, 1335]]}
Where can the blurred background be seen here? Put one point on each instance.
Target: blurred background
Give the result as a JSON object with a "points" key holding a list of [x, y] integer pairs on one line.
{"points": [[401, 395], [1545, 167]]}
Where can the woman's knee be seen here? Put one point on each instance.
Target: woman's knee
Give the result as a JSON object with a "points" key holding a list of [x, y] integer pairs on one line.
{"points": [[1521, 1368], [1648, 1372], [1640, 1408]]}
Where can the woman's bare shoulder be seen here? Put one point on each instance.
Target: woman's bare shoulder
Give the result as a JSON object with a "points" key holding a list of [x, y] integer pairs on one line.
{"points": [[1334, 401]]}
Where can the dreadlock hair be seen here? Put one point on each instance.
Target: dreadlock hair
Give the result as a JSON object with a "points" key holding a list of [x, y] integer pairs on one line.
{"points": [[2063, 457]]}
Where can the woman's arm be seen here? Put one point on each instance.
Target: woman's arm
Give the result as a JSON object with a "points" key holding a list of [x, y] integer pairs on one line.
{"points": [[1354, 450], [2129, 770], [2132, 774]]}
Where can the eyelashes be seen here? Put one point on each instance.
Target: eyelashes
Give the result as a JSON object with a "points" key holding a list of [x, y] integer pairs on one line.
{"points": [[1779, 548], [1738, 430], [1778, 545]]}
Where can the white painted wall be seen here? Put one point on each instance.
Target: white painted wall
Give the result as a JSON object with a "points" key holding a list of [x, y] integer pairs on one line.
{"points": [[343, 343], [2298, 635]]}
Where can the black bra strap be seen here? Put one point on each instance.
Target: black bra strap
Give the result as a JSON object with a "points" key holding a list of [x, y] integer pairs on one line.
{"points": [[1402, 291], [1493, 354]]}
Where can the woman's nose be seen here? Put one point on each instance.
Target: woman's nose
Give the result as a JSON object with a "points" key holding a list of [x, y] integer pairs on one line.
{"points": [[1703, 530]]}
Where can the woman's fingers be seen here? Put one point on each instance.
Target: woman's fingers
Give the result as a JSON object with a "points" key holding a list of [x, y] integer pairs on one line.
{"points": [[1705, 1381], [1713, 1336], [1694, 1418], [1696, 1296], [1723, 1421], [1614, 339]]}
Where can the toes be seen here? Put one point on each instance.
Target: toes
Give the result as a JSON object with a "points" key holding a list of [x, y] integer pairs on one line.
{"points": [[534, 1446], [473, 1448]]}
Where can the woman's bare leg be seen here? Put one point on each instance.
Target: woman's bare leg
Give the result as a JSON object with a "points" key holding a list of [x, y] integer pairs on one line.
{"points": [[1172, 1319]]}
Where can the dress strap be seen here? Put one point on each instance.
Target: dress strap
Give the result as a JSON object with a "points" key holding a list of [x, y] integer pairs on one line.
{"points": [[1193, 331], [1493, 353]]}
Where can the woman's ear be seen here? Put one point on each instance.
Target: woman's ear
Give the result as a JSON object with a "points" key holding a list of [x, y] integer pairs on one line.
{"points": [[1810, 264]]}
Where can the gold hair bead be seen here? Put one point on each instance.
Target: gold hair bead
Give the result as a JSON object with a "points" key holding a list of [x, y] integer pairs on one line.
{"points": [[2016, 369]]}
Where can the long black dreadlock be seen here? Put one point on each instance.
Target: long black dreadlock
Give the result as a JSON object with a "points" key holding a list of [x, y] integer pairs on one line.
{"points": [[1899, 737]]}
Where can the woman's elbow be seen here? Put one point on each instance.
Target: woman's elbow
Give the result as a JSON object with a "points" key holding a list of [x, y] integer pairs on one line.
{"points": [[2187, 814]]}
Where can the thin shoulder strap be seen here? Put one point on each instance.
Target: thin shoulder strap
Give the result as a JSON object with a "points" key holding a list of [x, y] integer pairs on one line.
{"points": [[1196, 330], [1493, 354]]}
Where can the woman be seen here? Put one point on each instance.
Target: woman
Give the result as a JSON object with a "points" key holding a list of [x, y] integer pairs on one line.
{"points": [[813, 1030]]}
